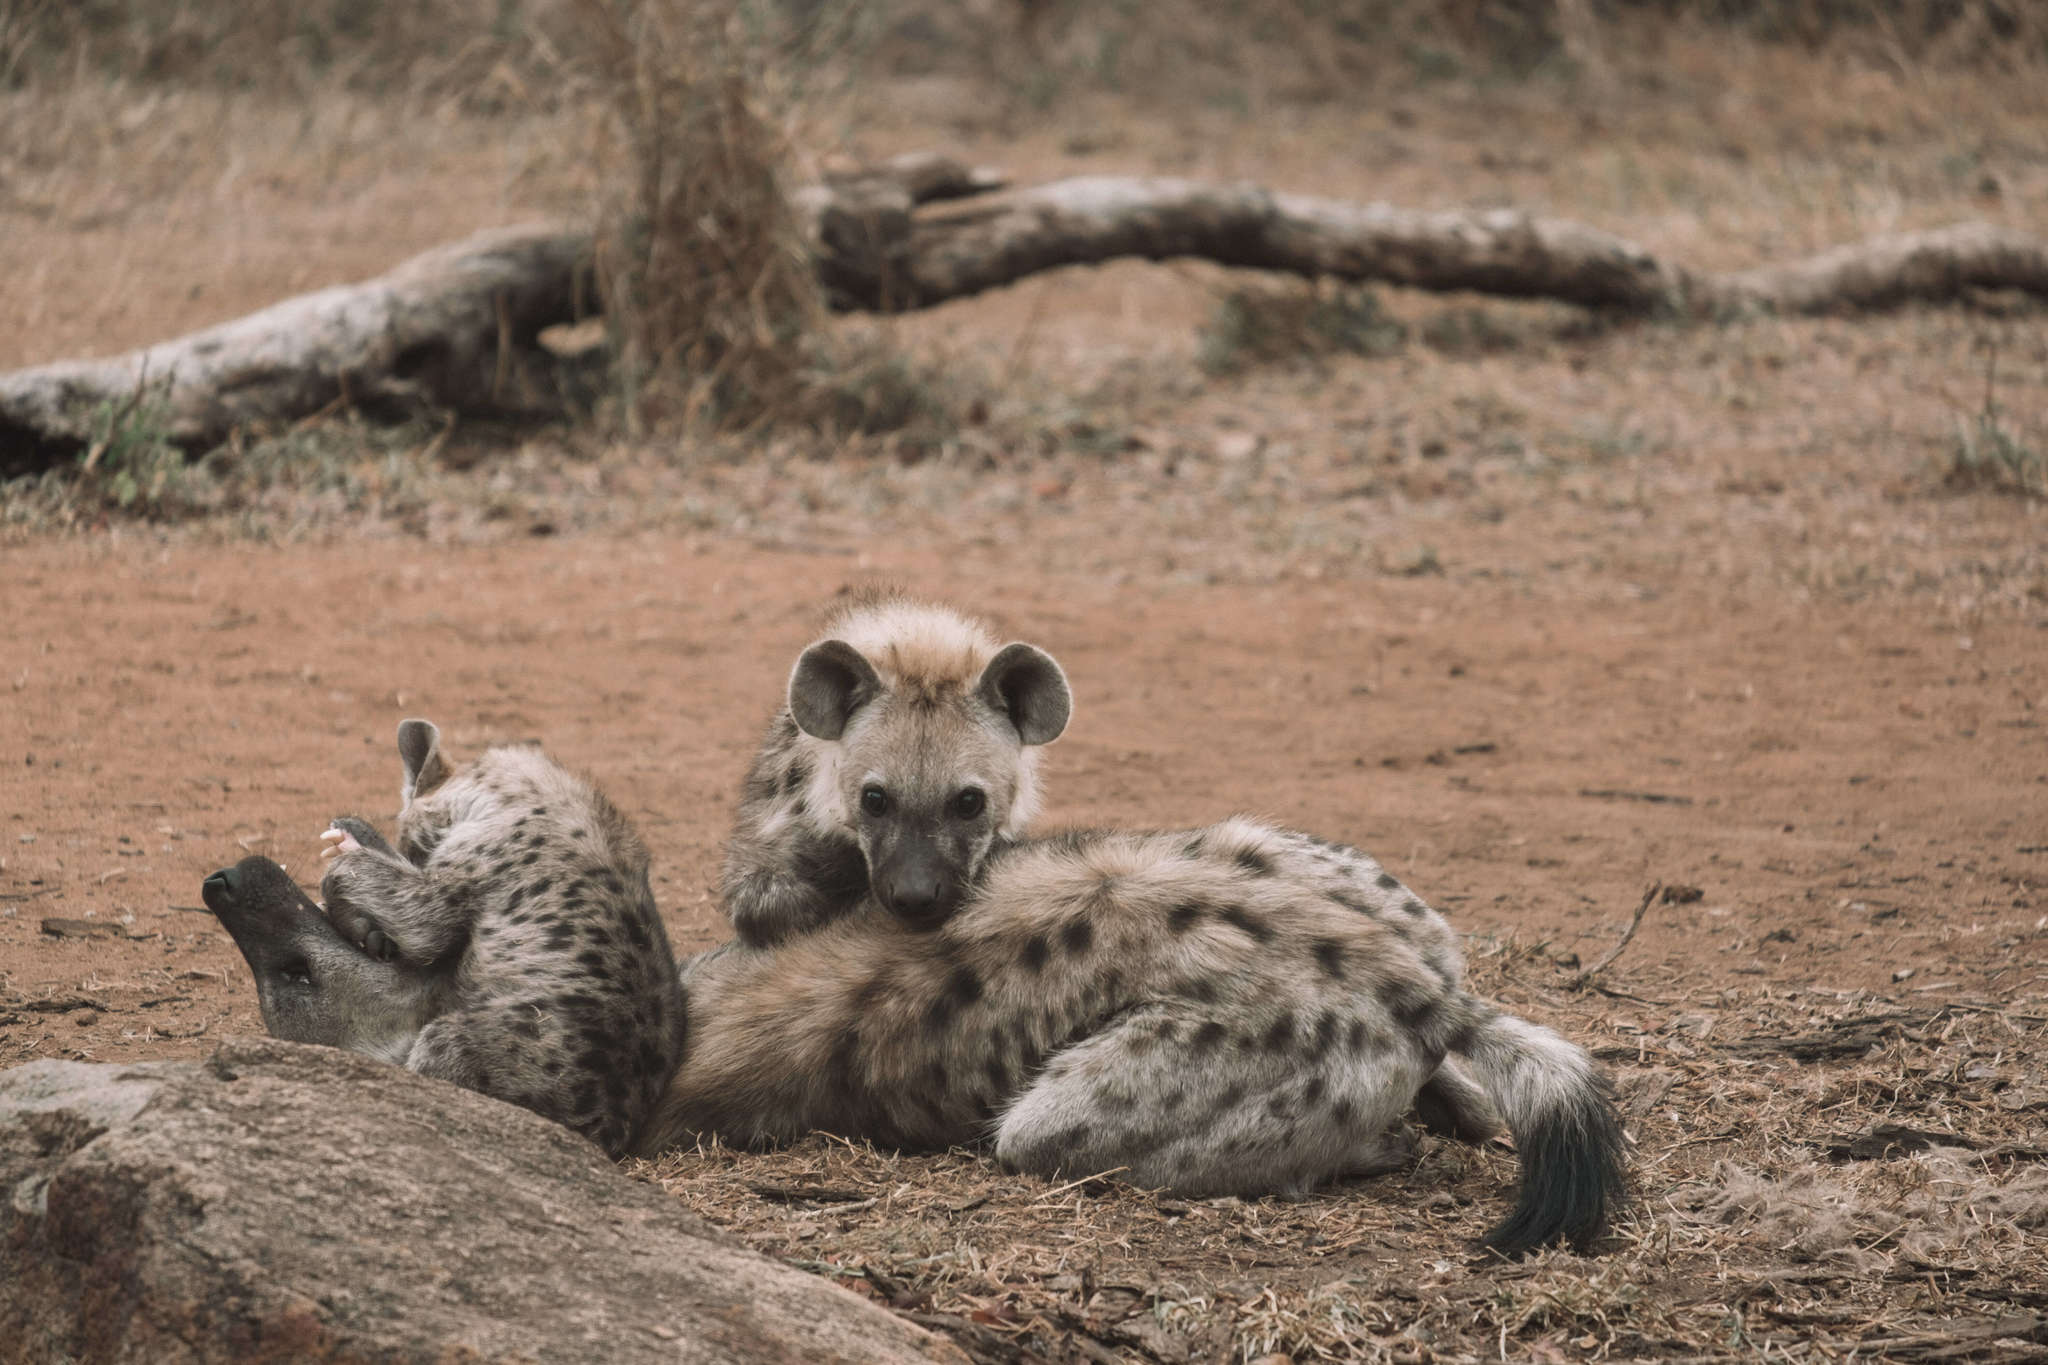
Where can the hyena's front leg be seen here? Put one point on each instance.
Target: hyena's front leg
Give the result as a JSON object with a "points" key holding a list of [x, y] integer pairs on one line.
{"points": [[773, 893], [382, 903], [1205, 1101]]}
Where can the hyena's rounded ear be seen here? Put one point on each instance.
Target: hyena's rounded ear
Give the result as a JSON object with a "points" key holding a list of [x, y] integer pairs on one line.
{"points": [[419, 749], [1023, 683], [831, 681]]}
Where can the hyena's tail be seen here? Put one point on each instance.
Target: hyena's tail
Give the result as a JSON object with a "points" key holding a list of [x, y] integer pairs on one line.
{"points": [[1558, 1108]]}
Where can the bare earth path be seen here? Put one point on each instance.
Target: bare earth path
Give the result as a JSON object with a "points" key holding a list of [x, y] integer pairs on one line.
{"points": [[1856, 792]]}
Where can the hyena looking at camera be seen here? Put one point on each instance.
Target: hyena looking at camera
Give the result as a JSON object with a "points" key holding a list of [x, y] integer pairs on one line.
{"points": [[1238, 1009], [906, 751], [906, 756], [509, 943]]}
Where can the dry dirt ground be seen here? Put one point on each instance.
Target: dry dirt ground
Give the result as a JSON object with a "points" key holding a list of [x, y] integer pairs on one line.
{"points": [[1540, 612]]}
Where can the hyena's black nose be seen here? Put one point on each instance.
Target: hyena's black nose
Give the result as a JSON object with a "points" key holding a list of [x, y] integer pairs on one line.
{"points": [[918, 896], [219, 890]]}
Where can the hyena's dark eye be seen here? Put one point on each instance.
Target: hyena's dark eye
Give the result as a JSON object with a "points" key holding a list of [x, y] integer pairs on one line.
{"points": [[969, 803], [874, 800]]}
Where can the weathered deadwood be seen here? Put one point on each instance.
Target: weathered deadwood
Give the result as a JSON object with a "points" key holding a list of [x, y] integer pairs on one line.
{"points": [[457, 328], [1099, 218], [447, 329]]}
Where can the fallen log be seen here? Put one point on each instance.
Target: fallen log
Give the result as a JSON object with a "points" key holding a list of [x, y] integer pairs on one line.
{"points": [[458, 328], [445, 329]]}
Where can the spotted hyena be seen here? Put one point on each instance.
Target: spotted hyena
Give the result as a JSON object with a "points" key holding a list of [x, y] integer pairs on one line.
{"points": [[509, 943], [906, 751], [1238, 1009]]}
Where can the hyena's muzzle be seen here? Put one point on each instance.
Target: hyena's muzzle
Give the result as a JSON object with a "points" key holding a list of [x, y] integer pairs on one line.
{"points": [[312, 984]]}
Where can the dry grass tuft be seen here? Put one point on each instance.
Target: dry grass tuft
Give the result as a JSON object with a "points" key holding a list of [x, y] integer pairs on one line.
{"points": [[701, 259]]}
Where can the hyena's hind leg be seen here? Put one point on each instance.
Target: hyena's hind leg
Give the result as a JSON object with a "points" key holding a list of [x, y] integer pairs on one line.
{"points": [[1451, 1104], [1206, 1102], [382, 903]]}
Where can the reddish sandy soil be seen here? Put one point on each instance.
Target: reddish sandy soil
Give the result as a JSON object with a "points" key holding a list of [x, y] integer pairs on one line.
{"points": [[1856, 792]]}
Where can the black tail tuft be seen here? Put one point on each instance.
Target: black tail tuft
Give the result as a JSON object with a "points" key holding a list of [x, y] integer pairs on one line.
{"points": [[1573, 1175]]}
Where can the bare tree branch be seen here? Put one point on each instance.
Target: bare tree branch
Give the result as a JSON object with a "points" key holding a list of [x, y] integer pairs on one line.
{"points": [[457, 327]]}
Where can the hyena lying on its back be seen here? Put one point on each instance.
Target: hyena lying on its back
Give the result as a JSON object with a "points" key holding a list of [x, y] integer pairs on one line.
{"points": [[926, 697], [1238, 1009], [508, 944]]}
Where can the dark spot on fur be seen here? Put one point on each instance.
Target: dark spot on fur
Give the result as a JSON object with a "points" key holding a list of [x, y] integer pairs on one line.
{"points": [[1251, 924], [1166, 1031], [1227, 1101], [530, 859], [1313, 1091], [1327, 1025], [1252, 861], [963, 986], [1330, 957], [1208, 1038], [1341, 1112], [1280, 1034], [561, 936], [1277, 1106], [1193, 848], [845, 1052], [1354, 1041], [591, 960], [799, 773], [1410, 1002], [542, 886], [1387, 881], [1183, 917], [1202, 990], [1415, 907], [1035, 952], [1077, 937], [1462, 1039]]}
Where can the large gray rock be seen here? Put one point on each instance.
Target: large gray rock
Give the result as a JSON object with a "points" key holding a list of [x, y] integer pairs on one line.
{"points": [[278, 1202]]}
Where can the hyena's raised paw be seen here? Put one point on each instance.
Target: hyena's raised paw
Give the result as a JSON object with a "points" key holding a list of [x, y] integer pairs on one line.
{"points": [[350, 833], [345, 844]]}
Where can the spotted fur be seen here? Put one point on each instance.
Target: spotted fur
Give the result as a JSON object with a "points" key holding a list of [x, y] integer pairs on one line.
{"points": [[1240, 1009], [509, 943], [906, 751]]}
